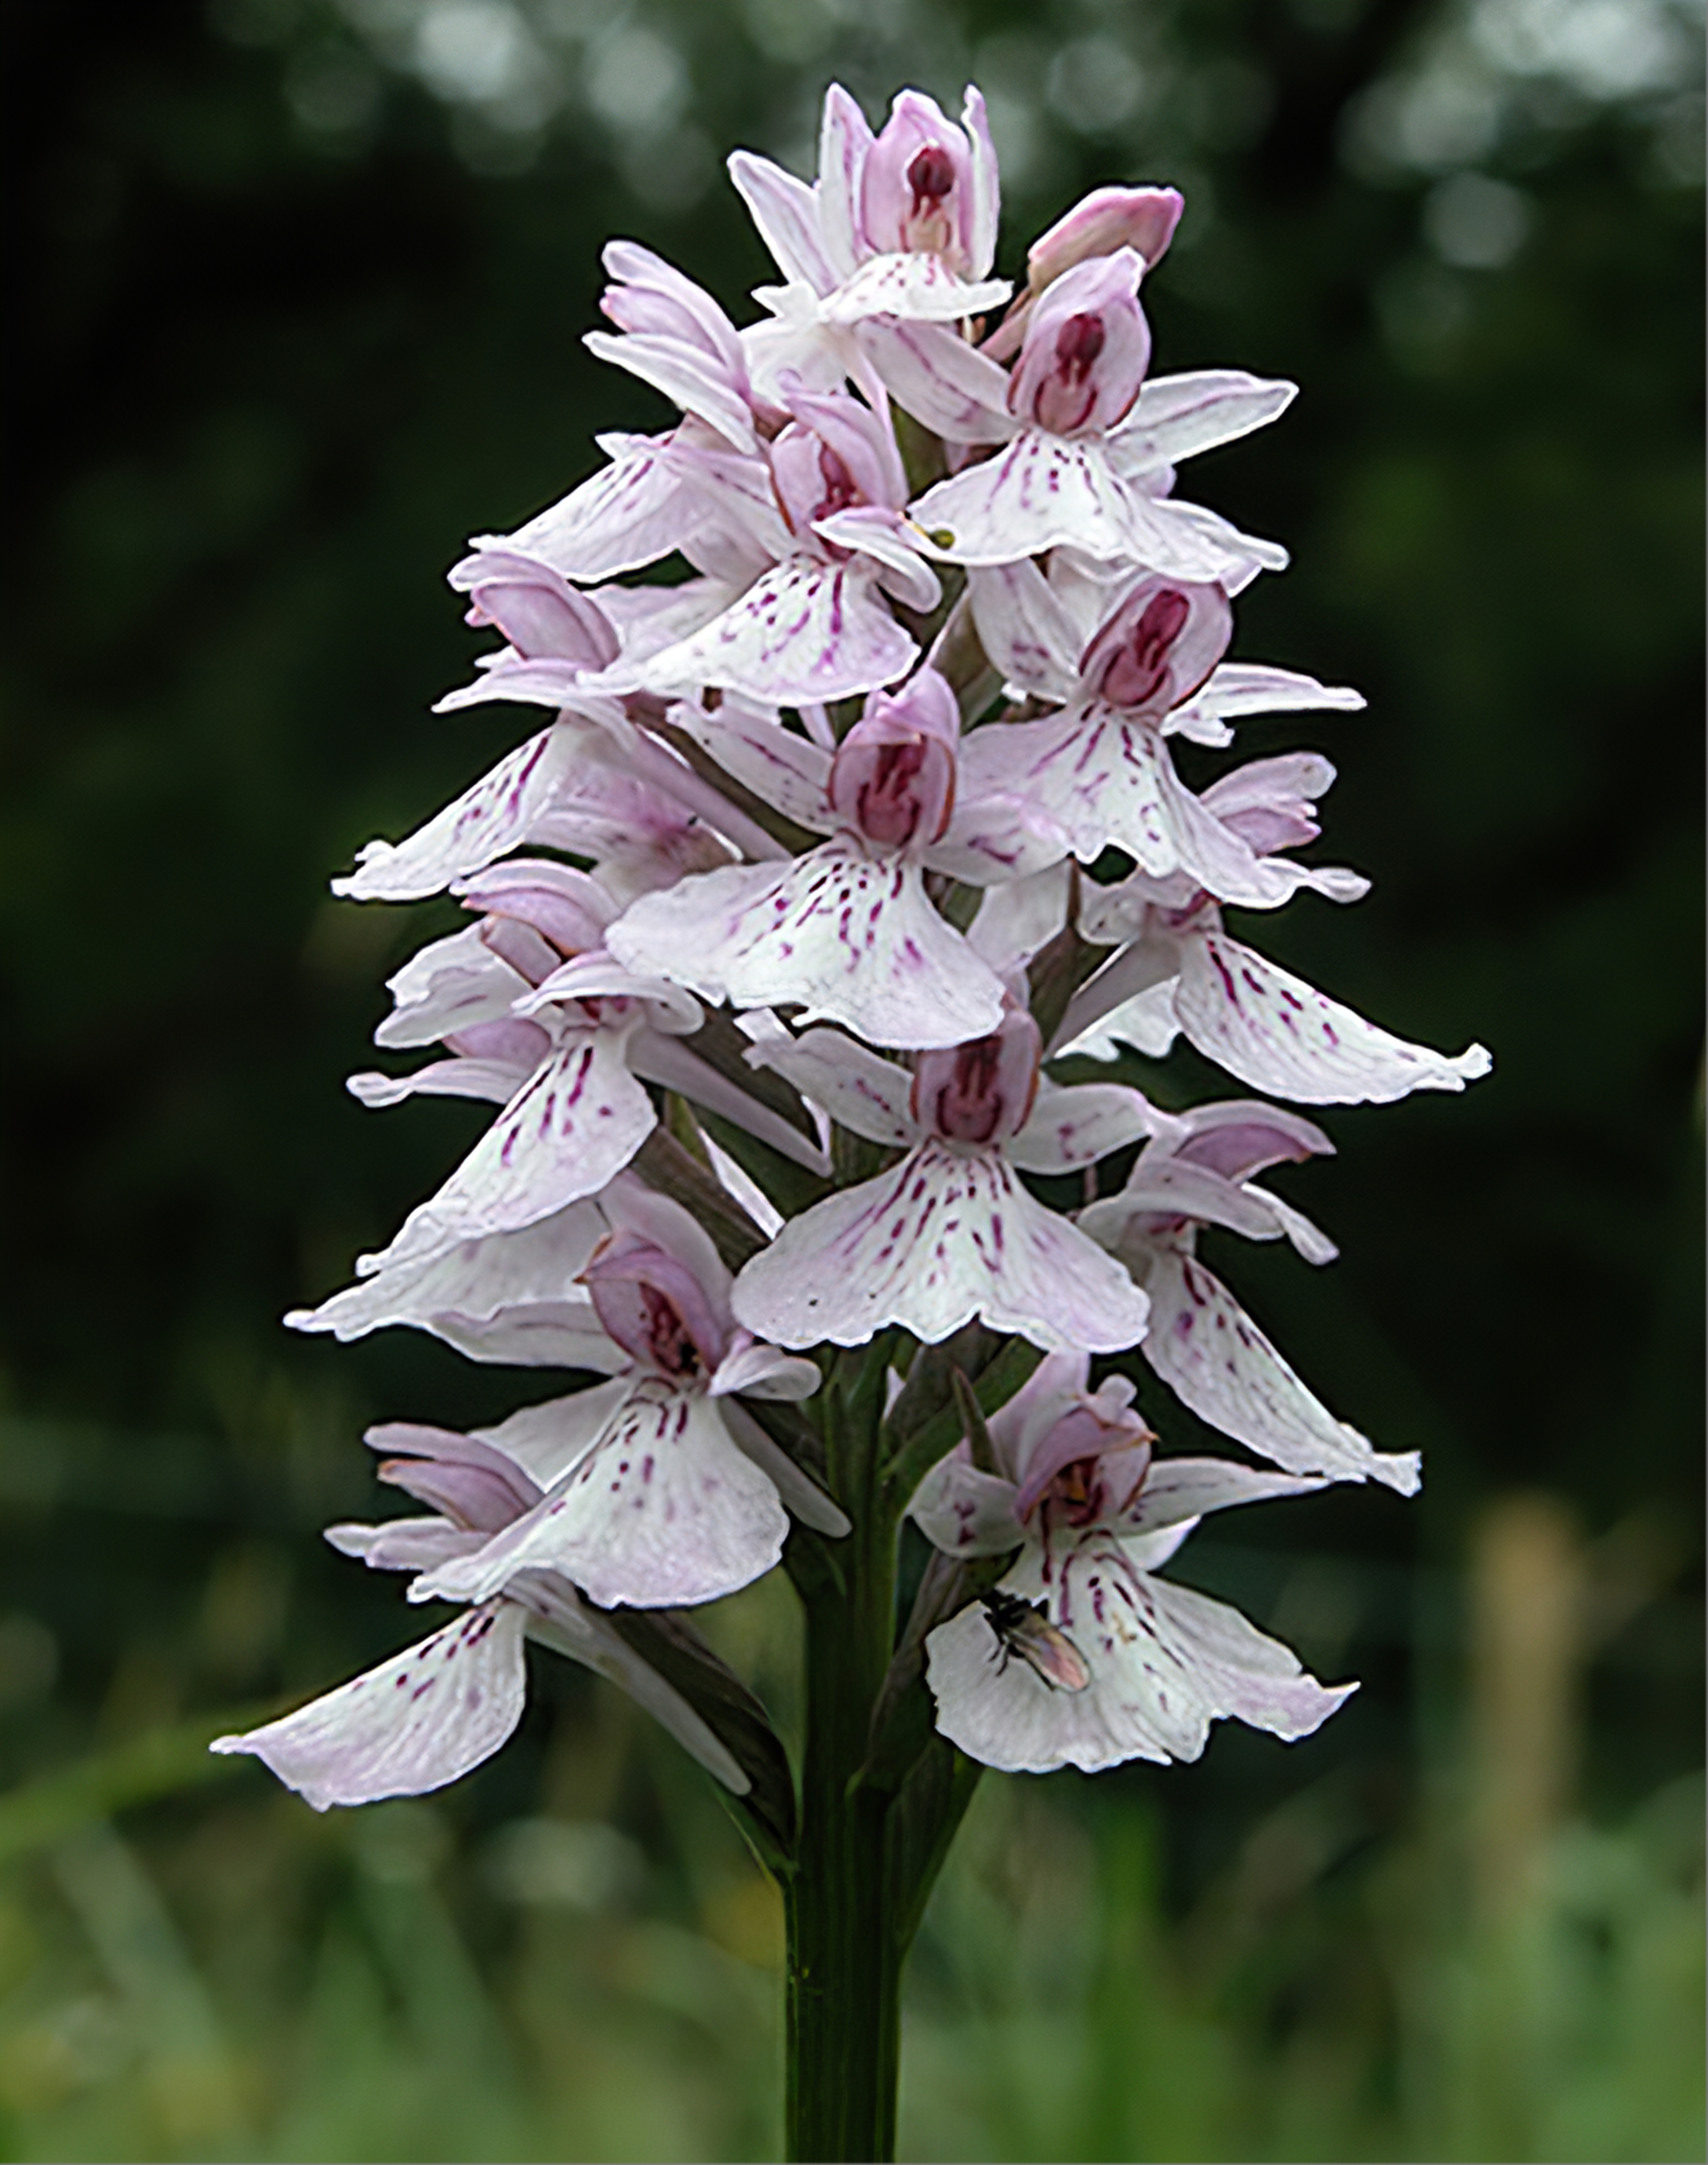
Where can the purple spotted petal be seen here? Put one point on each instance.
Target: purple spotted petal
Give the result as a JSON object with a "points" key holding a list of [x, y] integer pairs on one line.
{"points": [[914, 288], [1215, 1359], [1047, 492], [849, 937], [805, 630], [946, 1236], [663, 1509], [631, 512], [418, 1721], [1276, 1033], [1165, 1662], [570, 1128], [498, 815], [509, 1296]]}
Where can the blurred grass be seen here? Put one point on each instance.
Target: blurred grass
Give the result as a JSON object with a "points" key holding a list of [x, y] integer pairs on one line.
{"points": [[572, 1955], [267, 1987]]}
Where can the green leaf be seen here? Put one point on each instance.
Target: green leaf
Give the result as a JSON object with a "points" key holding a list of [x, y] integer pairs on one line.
{"points": [[766, 1814], [923, 1822], [902, 1725], [925, 1421], [663, 1164]]}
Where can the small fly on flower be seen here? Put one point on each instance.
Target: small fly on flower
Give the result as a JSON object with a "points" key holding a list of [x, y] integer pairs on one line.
{"points": [[1024, 1628]]}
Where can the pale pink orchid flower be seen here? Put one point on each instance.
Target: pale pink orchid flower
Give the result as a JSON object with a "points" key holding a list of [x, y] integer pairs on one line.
{"points": [[438, 1709], [847, 932], [1088, 447], [810, 537], [900, 224], [1198, 1172], [657, 1488], [950, 1232], [630, 803], [1100, 768], [1094, 1515], [541, 1019], [1179, 971]]}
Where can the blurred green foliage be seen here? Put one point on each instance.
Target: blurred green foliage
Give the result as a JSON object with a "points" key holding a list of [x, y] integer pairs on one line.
{"points": [[301, 288]]}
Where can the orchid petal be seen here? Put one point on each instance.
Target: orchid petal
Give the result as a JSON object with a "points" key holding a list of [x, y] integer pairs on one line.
{"points": [[850, 936], [1047, 492], [802, 1497], [933, 374], [986, 200], [997, 838], [1074, 1127], [945, 1236], [861, 1091], [690, 380], [1276, 1033], [663, 1511], [546, 1441], [1177, 1489], [781, 769], [758, 1371], [1164, 1187], [495, 1082], [914, 288], [1027, 630], [965, 1513], [845, 139], [450, 984], [630, 513], [1177, 416], [1235, 688], [883, 535], [1165, 1663], [1147, 1022], [411, 1545], [1215, 1359], [418, 1721], [804, 631], [498, 815], [787, 213], [572, 1127], [479, 1290]]}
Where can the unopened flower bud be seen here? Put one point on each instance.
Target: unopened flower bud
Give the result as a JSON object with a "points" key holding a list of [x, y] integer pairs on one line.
{"points": [[1086, 349], [1099, 224]]}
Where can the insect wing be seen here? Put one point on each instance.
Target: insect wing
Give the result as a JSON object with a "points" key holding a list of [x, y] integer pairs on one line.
{"points": [[1025, 1630], [1052, 1654]]}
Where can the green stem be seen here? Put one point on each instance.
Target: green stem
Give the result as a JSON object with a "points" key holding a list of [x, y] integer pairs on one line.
{"points": [[845, 1953]]}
